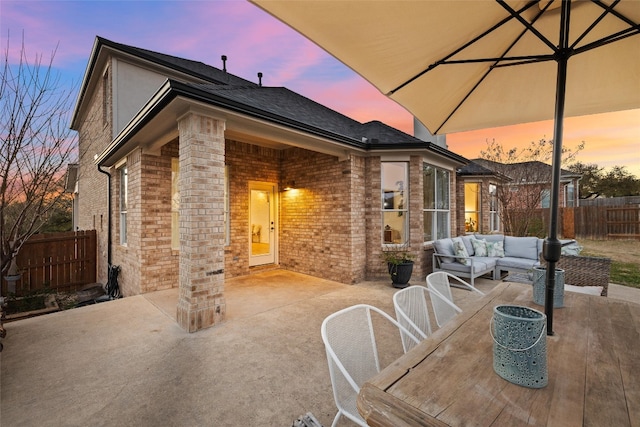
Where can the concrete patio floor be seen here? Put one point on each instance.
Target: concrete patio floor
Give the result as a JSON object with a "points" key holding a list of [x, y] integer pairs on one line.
{"points": [[128, 363]]}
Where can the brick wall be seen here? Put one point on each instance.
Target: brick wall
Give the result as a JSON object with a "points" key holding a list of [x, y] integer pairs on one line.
{"points": [[322, 225], [94, 136], [159, 264]]}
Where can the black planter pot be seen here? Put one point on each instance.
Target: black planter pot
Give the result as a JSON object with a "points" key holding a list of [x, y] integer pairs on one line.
{"points": [[400, 274]]}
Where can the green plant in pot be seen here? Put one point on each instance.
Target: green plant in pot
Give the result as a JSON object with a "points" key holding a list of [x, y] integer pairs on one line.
{"points": [[399, 264]]}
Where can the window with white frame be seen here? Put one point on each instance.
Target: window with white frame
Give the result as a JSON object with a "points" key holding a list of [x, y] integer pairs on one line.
{"points": [[494, 219], [395, 202], [175, 203], [569, 194], [545, 199], [436, 194], [124, 185]]}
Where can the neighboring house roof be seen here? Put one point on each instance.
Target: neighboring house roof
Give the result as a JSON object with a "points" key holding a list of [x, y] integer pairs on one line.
{"points": [[277, 105], [505, 168], [475, 169]]}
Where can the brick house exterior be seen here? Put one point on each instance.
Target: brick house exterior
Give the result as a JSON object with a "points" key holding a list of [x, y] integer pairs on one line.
{"points": [[180, 164]]}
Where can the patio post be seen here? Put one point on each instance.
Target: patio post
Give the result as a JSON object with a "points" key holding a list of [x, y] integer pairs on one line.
{"points": [[201, 302]]}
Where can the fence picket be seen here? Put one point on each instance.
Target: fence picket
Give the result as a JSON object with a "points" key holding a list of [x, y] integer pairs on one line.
{"points": [[59, 261]]}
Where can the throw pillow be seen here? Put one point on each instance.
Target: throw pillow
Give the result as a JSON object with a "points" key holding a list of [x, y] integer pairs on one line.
{"points": [[495, 249], [460, 250], [444, 247], [479, 247]]}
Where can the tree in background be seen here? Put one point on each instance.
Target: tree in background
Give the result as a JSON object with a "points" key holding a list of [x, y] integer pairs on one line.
{"points": [[617, 182], [37, 145], [591, 177], [529, 172]]}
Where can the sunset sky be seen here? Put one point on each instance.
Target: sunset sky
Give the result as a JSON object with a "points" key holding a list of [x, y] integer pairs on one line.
{"points": [[256, 42]]}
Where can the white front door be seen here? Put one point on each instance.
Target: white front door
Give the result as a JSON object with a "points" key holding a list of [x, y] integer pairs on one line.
{"points": [[262, 223]]}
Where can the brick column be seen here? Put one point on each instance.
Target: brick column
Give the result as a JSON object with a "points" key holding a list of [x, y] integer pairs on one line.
{"points": [[201, 300]]}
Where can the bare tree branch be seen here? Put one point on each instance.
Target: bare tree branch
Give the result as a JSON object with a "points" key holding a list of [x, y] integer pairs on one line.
{"points": [[530, 174], [37, 146]]}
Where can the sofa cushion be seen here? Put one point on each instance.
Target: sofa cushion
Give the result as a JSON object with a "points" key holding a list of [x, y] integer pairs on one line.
{"points": [[495, 249], [517, 263], [479, 247], [478, 266], [460, 250], [467, 243], [491, 237], [489, 262], [444, 247], [521, 247]]}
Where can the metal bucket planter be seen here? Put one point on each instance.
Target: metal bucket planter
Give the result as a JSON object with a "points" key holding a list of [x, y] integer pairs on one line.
{"points": [[540, 287], [520, 345]]}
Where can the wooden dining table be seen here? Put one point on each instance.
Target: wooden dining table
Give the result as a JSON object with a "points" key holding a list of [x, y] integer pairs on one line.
{"points": [[593, 363]]}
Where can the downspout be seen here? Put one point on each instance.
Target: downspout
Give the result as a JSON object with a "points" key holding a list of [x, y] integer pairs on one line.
{"points": [[108, 214]]}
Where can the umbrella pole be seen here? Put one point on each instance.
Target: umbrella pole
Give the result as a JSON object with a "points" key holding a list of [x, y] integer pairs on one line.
{"points": [[552, 247]]}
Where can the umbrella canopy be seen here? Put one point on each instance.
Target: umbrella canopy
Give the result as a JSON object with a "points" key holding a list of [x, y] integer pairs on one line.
{"points": [[450, 63], [464, 65]]}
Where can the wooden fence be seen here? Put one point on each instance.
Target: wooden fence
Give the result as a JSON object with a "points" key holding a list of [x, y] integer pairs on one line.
{"points": [[59, 261], [596, 222]]}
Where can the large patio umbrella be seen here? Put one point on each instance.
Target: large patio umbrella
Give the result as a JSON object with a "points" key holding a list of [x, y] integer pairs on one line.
{"points": [[463, 65]]}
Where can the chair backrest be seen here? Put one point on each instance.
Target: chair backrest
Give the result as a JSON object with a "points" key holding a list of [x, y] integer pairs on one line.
{"points": [[444, 308], [411, 312], [352, 353]]}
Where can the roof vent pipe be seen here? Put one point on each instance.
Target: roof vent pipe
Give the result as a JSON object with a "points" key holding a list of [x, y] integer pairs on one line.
{"points": [[224, 63], [259, 79]]}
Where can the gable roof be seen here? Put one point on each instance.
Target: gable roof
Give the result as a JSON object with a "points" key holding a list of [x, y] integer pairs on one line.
{"points": [[278, 105]]}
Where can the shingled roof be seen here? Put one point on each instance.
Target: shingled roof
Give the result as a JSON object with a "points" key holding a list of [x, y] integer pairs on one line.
{"points": [[276, 104], [284, 103], [195, 68]]}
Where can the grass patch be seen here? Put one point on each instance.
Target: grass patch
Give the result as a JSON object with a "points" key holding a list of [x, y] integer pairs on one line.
{"points": [[625, 273]]}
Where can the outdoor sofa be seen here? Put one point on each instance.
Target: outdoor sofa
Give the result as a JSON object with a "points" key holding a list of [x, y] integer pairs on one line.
{"points": [[464, 256], [515, 255]]}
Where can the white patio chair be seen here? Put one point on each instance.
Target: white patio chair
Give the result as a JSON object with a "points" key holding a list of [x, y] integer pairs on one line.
{"points": [[440, 280], [412, 313], [352, 353], [444, 309]]}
